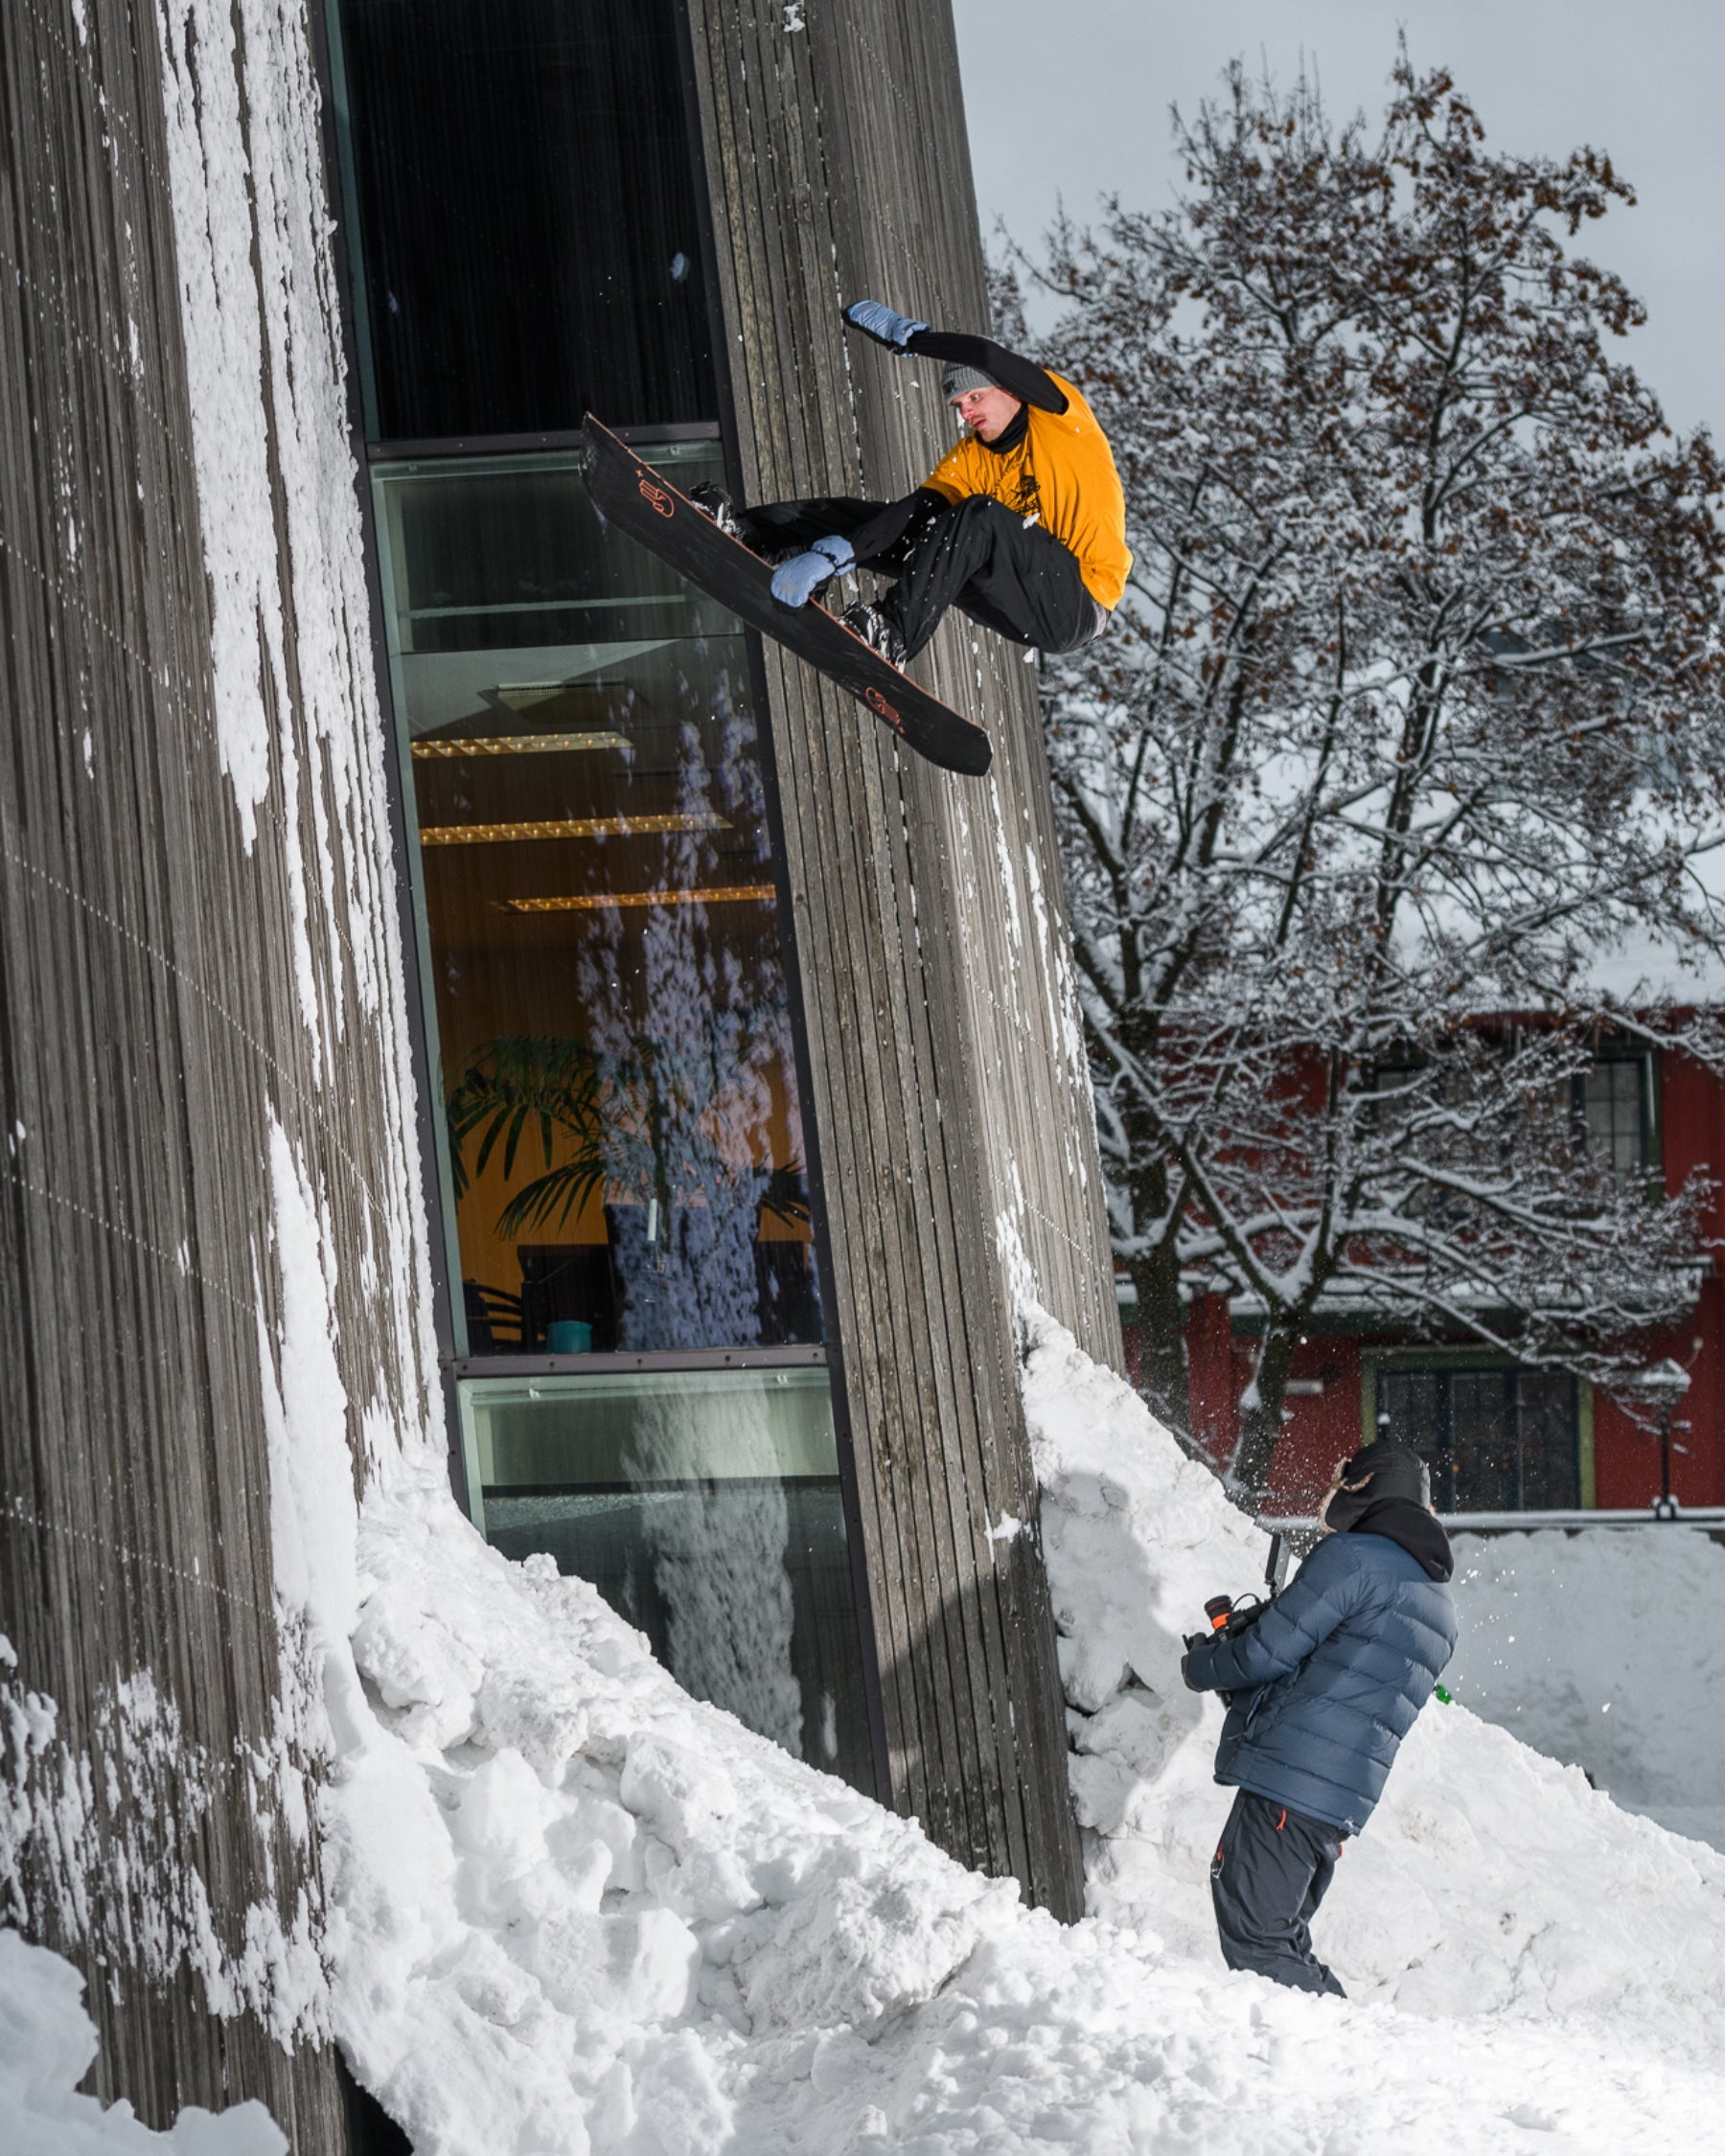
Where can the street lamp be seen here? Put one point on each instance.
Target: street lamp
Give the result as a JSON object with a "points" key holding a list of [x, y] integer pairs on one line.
{"points": [[1665, 1384]]}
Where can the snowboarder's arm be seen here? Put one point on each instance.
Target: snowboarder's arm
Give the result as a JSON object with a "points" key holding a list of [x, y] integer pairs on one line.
{"points": [[904, 334], [1017, 376], [1323, 1593]]}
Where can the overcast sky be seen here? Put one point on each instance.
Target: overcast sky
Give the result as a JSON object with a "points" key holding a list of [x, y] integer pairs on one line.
{"points": [[1072, 98]]}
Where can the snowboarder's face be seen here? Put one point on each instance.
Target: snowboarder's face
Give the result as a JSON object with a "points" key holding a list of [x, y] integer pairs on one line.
{"points": [[986, 412]]}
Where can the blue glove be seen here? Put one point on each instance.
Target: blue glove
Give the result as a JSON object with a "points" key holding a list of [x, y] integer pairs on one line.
{"points": [[795, 582], [877, 320]]}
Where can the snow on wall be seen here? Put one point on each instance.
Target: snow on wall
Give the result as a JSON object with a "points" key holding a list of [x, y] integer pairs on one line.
{"points": [[47, 2042], [1605, 1649], [292, 655], [304, 738], [62, 1830], [343, 1322]]}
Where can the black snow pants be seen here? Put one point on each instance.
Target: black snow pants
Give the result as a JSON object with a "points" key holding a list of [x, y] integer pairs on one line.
{"points": [[1272, 1869], [977, 555]]}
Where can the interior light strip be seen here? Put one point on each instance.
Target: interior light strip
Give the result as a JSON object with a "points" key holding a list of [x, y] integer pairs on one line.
{"points": [[520, 744], [602, 901], [566, 827]]}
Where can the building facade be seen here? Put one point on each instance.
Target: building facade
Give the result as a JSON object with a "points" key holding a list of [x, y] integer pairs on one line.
{"points": [[760, 1085], [409, 888], [1503, 1437]]}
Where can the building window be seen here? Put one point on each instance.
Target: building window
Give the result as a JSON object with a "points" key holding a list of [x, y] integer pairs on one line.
{"points": [[624, 1188], [623, 1135], [1499, 1438], [626, 1191], [520, 175], [1612, 1101], [704, 1505]]}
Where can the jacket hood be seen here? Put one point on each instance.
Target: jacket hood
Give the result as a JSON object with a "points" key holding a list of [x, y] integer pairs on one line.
{"points": [[1375, 1472], [1400, 1519]]}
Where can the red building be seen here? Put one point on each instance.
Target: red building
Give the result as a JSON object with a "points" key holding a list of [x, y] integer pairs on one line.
{"points": [[1503, 1437]]}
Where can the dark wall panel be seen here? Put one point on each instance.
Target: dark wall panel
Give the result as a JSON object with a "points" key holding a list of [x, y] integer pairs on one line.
{"points": [[951, 1102]]}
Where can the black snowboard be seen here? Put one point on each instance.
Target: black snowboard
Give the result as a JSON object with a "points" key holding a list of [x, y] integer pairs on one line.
{"points": [[649, 508]]}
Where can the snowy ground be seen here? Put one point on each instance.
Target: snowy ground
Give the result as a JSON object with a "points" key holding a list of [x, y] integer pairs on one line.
{"points": [[576, 1911], [1605, 1649]]}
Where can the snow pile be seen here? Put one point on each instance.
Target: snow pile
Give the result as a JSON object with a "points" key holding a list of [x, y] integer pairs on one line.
{"points": [[1490, 1882], [574, 1911], [573, 1908], [47, 2042], [1605, 1649]]}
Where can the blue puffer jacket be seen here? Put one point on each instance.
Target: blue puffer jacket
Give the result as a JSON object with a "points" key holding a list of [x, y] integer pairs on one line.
{"points": [[1328, 1681]]}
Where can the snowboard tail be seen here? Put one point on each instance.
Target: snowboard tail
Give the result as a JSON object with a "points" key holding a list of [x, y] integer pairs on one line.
{"points": [[644, 503]]}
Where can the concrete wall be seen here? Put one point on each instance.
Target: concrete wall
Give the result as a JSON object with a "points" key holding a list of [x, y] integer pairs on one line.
{"points": [[207, 1174]]}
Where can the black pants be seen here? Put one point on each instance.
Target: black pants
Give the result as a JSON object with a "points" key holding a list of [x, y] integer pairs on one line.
{"points": [[1272, 1869], [977, 555]]}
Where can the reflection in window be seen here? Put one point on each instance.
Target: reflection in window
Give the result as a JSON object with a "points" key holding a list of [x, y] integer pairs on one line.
{"points": [[624, 1138], [705, 1507], [1498, 1439]]}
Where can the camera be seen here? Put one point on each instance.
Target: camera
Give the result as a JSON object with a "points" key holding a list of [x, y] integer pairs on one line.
{"points": [[1227, 1618]]}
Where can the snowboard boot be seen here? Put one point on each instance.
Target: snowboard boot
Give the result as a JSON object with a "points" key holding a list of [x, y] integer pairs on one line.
{"points": [[713, 501], [876, 630]]}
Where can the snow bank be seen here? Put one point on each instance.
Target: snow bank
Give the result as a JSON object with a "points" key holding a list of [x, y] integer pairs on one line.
{"points": [[1605, 1649], [47, 2042], [575, 1911], [1490, 1885]]}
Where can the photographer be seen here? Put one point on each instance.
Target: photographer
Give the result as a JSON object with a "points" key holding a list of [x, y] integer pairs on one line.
{"points": [[1323, 1686]]}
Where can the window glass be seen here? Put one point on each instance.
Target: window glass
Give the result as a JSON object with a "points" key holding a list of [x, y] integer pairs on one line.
{"points": [[1481, 1451], [623, 1138], [1499, 1438], [1613, 1106], [705, 1506], [520, 176]]}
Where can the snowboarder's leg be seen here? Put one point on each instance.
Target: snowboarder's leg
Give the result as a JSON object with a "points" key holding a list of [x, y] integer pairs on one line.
{"points": [[776, 527], [983, 557], [1271, 1869]]}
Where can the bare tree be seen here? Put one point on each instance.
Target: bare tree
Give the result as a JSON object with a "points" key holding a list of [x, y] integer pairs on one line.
{"points": [[1412, 710]]}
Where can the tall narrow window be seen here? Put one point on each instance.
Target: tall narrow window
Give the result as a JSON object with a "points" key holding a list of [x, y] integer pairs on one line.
{"points": [[624, 1148], [643, 1389], [521, 175], [1612, 1103], [626, 1195]]}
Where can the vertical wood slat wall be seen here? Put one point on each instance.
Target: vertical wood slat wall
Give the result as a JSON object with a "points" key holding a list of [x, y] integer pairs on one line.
{"points": [[951, 1104], [150, 1033]]}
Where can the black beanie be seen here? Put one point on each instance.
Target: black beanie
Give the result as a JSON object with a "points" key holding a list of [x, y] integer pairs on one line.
{"points": [[1387, 1471]]}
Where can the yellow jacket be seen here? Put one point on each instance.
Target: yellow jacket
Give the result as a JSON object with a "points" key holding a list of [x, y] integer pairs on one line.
{"points": [[1062, 475]]}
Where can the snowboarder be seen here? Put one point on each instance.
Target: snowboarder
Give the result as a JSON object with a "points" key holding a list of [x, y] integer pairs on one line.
{"points": [[1322, 1688], [1021, 525]]}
